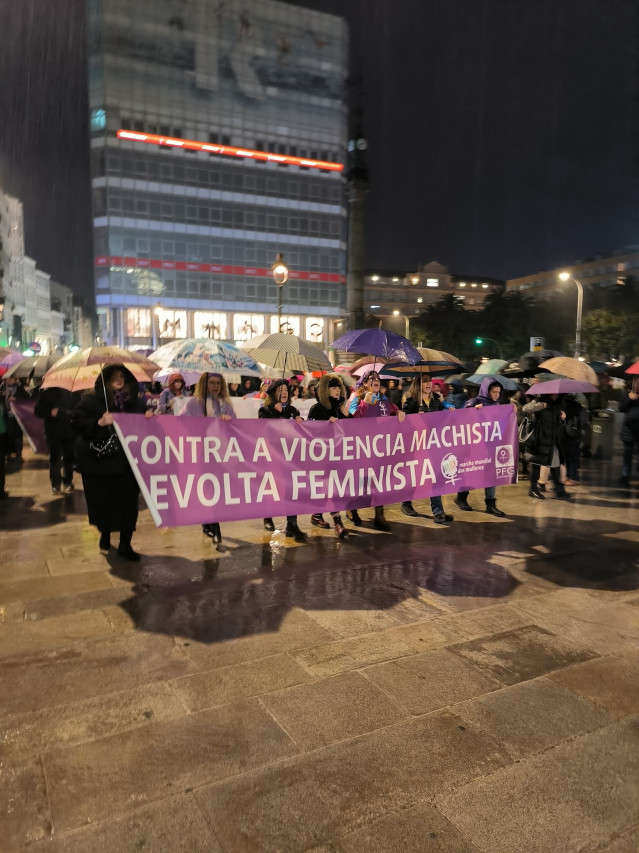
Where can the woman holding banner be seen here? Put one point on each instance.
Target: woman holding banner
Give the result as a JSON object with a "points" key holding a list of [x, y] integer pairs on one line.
{"points": [[277, 406], [331, 406], [371, 403], [422, 398], [210, 400], [110, 488]]}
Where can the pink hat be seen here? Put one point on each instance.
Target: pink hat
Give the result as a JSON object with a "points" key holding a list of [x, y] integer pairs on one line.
{"points": [[175, 377]]}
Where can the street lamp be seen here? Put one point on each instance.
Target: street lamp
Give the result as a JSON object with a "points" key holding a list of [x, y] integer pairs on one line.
{"points": [[565, 276], [279, 271], [406, 323], [480, 341]]}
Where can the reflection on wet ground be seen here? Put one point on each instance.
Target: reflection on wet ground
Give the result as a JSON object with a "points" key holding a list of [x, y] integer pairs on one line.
{"points": [[240, 677]]}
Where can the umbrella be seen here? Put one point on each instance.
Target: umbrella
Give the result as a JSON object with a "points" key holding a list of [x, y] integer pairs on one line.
{"points": [[33, 367], [490, 367], [598, 366], [9, 358], [571, 368], [194, 356], [633, 369], [366, 360], [506, 383], [530, 360], [79, 370], [368, 367], [378, 342], [561, 386], [438, 358], [284, 351]]}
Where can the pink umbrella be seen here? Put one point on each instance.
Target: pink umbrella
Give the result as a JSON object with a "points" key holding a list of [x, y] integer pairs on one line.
{"points": [[10, 358], [366, 368]]}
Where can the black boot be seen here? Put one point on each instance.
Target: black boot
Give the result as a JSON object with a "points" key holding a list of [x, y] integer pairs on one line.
{"points": [[340, 530], [318, 520], [268, 524], [353, 515], [105, 540], [461, 499], [380, 522], [216, 535], [124, 548], [408, 509], [534, 492], [561, 494], [491, 509], [294, 531]]}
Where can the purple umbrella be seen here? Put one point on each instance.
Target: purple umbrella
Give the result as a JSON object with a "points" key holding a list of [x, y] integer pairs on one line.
{"points": [[8, 359], [378, 342], [561, 386]]}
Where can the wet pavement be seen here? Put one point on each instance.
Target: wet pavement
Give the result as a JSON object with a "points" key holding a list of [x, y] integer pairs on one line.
{"points": [[461, 688]]}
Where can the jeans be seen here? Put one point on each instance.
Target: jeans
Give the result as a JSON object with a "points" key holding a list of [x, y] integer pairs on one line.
{"points": [[490, 494]]}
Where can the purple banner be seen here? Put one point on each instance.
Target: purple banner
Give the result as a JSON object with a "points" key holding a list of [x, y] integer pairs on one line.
{"points": [[198, 470], [31, 426]]}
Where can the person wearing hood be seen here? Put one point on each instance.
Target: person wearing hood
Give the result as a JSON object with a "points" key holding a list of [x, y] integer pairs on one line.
{"points": [[110, 488], [173, 398], [331, 406], [277, 406], [54, 406], [422, 397], [490, 392], [369, 402], [210, 400], [456, 396], [548, 445], [629, 405]]}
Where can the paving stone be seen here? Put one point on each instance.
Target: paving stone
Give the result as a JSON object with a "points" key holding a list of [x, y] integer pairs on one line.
{"points": [[420, 829], [626, 843], [610, 682], [99, 599], [350, 616], [521, 654], [421, 636], [331, 710], [471, 624], [231, 683], [573, 797], [50, 677], [311, 799], [54, 631], [173, 825], [48, 587], [24, 808], [434, 679], [107, 777], [90, 719], [591, 635], [532, 716], [350, 654]]}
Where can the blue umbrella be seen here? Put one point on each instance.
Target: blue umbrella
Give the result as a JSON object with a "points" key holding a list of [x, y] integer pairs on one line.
{"points": [[380, 343], [506, 383]]}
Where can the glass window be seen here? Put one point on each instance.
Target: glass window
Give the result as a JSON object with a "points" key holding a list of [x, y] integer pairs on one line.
{"points": [[246, 326], [210, 325]]}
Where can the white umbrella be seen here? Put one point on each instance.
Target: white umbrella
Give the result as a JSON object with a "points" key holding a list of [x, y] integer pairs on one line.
{"points": [[287, 351], [194, 356]]}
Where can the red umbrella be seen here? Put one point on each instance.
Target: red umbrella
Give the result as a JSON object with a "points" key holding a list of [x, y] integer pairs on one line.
{"points": [[633, 369]]}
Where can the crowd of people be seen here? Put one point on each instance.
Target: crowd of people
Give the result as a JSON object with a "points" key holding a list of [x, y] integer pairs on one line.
{"points": [[80, 435]]}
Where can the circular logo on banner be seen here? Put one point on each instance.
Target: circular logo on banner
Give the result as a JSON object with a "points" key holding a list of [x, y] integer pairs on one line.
{"points": [[449, 467], [35, 347]]}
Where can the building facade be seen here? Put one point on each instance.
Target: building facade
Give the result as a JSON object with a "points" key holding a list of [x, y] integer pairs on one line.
{"points": [[600, 271], [218, 132], [407, 294]]}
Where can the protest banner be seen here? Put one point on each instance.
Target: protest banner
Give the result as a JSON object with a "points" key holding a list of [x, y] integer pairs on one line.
{"points": [[195, 470]]}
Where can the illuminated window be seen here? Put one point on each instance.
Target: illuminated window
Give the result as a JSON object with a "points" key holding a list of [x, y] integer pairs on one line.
{"points": [[462, 284], [171, 324], [209, 325], [314, 329], [287, 325], [138, 322], [247, 326], [432, 282], [374, 278], [414, 279]]}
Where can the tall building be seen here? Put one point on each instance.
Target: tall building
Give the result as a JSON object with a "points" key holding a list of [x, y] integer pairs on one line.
{"points": [[218, 132], [602, 271]]}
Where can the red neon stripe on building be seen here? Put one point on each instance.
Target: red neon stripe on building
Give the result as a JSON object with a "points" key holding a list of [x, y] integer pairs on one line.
{"points": [[229, 150], [223, 269]]}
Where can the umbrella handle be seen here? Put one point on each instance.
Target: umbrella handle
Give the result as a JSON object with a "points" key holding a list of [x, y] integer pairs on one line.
{"points": [[106, 402]]}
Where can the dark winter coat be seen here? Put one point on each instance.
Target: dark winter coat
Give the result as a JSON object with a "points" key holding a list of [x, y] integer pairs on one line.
{"points": [[327, 407], [576, 423], [269, 411], [457, 396], [411, 406], [630, 425], [110, 488], [549, 433], [58, 427]]}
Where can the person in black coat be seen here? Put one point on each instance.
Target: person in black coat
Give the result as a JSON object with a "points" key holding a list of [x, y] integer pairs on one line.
{"points": [[629, 405], [422, 398], [55, 406], [548, 443], [332, 405], [276, 405], [110, 488]]}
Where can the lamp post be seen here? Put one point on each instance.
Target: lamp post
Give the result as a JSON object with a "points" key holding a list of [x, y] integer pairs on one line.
{"points": [[480, 340], [565, 276], [279, 271], [155, 316], [406, 323]]}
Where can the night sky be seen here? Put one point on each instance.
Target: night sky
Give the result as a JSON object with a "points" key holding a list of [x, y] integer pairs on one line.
{"points": [[503, 133]]}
